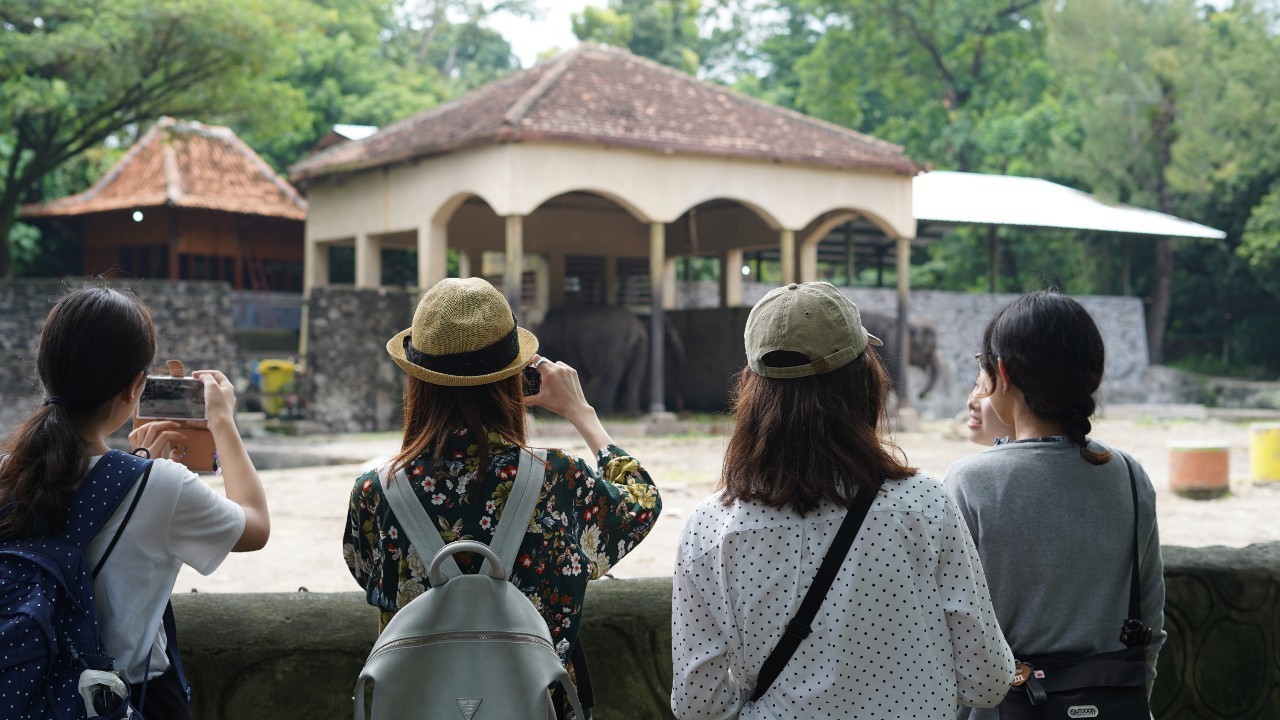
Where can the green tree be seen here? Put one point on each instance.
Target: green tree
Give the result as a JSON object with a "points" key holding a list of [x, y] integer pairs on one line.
{"points": [[959, 83], [75, 72], [662, 30]]}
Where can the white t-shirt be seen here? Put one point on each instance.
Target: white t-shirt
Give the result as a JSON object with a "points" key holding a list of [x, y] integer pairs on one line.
{"points": [[906, 631], [179, 520]]}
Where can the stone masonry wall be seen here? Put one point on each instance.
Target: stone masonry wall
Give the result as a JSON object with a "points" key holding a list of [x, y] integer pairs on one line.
{"points": [[193, 323], [354, 385], [286, 656], [959, 319]]}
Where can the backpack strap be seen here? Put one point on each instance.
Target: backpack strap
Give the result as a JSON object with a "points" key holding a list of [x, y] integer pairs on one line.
{"points": [[137, 495], [416, 523], [98, 496], [518, 512]]}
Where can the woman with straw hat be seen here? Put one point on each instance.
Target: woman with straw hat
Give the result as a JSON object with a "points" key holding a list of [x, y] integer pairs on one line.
{"points": [[464, 431]]}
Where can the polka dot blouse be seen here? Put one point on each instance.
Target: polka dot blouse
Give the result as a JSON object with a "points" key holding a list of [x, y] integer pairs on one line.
{"points": [[906, 631]]}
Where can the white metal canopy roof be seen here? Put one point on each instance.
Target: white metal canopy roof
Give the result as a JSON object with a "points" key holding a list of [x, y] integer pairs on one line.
{"points": [[956, 197]]}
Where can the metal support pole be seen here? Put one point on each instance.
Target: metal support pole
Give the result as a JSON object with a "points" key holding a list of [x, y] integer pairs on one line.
{"points": [[904, 310]]}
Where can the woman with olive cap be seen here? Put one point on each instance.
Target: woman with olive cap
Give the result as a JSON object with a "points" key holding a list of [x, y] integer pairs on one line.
{"points": [[464, 430], [906, 628]]}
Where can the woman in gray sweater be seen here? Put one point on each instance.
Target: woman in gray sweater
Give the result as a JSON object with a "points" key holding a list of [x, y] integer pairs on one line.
{"points": [[1051, 510]]}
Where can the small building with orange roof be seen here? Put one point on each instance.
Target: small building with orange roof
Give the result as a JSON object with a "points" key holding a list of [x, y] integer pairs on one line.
{"points": [[188, 201]]}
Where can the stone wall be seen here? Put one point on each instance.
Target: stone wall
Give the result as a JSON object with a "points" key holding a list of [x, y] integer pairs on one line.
{"points": [[958, 317], [298, 655], [354, 385], [193, 321]]}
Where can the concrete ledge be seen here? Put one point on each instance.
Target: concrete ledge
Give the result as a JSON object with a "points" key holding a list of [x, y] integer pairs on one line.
{"points": [[297, 655]]}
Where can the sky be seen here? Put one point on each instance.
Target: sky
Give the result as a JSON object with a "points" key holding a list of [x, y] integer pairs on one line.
{"points": [[552, 29]]}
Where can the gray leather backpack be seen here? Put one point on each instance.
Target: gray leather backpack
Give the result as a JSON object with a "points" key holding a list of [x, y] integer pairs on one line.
{"points": [[471, 647]]}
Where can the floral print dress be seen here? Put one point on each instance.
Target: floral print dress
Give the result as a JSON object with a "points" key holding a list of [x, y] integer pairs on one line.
{"points": [[587, 519]]}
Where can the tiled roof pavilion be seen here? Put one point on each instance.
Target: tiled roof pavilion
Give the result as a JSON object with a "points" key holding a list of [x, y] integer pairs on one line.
{"points": [[606, 96], [184, 164], [603, 155]]}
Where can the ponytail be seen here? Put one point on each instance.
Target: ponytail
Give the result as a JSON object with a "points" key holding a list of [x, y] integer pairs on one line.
{"points": [[44, 464], [94, 344], [1078, 428]]}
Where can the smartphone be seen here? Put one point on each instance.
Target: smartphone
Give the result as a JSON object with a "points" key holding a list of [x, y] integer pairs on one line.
{"points": [[531, 380], [172, 398]]}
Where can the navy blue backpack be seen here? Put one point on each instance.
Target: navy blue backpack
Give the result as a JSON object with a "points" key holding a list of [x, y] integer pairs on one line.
{"points": [[49, 632]]}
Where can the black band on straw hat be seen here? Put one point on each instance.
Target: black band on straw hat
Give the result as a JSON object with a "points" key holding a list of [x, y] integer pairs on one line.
{"points": [[486, 360]]}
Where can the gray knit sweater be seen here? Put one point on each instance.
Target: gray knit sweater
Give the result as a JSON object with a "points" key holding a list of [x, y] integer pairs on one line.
{"points": [[1055, 536]]}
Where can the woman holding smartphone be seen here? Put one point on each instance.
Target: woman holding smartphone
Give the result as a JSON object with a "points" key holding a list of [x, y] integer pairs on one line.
{"points": [[464, 436], [95, 349]]}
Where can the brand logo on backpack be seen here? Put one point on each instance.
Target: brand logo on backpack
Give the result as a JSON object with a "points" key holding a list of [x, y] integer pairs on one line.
{"points": [[1076, 711], [467, 706]]}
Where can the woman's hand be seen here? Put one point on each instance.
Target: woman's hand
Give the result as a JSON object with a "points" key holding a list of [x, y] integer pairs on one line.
{"points": [[161, 439], [219, 397], [562, 394], [561, 391]]}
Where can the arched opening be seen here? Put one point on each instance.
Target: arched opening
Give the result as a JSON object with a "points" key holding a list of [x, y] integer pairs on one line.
{"points": [[848, 247], [721, 246]]}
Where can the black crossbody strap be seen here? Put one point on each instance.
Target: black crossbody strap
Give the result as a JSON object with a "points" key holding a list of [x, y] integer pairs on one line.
{"points": [[801, 625], [1135, 599]]}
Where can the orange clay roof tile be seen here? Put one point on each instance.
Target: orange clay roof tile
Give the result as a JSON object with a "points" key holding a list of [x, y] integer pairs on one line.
{"points": [[184, 164]]}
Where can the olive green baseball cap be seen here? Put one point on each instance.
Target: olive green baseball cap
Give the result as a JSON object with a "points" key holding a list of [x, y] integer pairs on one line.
{"points": [[813, 319]]}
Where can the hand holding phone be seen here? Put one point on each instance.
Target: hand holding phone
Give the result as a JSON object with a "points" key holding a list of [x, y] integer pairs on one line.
{"points": [[531, 381], [173, 417], [172, 398]]}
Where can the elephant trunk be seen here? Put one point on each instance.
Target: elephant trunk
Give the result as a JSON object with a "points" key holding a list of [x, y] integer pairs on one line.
{"points": [[934, 362]]}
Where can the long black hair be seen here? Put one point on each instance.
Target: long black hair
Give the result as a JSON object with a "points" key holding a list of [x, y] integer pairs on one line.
{"points": [[94, 343], [1053, 353]]}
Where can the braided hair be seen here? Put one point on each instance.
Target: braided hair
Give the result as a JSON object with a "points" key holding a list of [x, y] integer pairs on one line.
{"points": [[1053, 353]]}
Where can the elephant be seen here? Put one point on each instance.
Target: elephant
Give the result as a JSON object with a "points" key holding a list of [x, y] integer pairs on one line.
{"points": [[923, 347], [609, 347]]}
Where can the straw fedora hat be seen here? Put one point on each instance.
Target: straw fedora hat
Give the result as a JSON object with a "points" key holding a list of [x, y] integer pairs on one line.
{"points": [[463, 334]]}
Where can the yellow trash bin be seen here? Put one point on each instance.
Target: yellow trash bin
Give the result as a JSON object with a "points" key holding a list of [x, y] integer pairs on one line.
{"points": [[277, 381], [1264, 452]]}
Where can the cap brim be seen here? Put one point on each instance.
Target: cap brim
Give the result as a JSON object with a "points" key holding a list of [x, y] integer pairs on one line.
{"points": [[528, 348], [872, 339]]}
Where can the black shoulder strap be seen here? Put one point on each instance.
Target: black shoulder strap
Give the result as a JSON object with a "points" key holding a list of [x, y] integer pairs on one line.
{"points": [[801, 625], [1135, 599]]}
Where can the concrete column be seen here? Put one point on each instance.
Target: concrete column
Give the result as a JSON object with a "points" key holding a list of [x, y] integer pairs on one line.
{"points": [[433, 255], [555, 281], [731, 278], [904, 311], [669, 287], [513, 268], [611, 280], [315, 266], [470, 263], [657, 283], [787, 253], [809, 260], [368, 261]]}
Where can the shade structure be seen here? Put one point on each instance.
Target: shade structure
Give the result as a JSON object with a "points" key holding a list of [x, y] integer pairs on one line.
{"points": [[958, 197]]}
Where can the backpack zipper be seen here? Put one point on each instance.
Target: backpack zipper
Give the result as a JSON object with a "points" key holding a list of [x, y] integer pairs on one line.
{"points": [[419, 640]]}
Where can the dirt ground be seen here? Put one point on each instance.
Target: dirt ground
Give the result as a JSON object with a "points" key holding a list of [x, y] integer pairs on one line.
{"points": [[308, 505]]}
